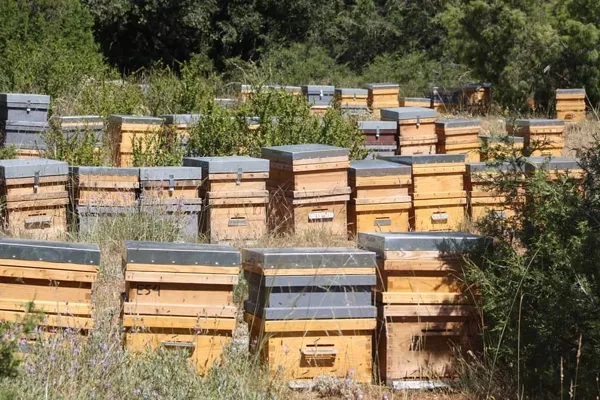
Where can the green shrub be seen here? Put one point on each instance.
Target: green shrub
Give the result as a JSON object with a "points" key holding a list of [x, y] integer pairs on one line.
{"points": [[76, 148], [160, 149]]}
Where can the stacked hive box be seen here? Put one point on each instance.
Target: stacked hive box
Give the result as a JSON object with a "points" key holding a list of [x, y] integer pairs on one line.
{"points": [[82, 127], [352, 101], [542, 137], [380, 200], [180, 296], [555, 167], [425, 308], [235, 197], [459, 136], [36, 198], [100, 193], [23, 121], [310, 310], [570, 104], [320, 97], [54, 278], [381, 137], [416, 129], [476, 96], [382, 95], [26, 137], [171, 193], [181, 123], [492, 146], [444, 99], [309, 186], [437, 189], [415, 102], [125, 130]]}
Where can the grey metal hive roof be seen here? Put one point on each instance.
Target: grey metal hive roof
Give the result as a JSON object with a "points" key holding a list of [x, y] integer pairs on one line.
{"points": [[500, 138], [351, 91], [83, 119], [458, 122], [40, 101], [112, 171], [327, 89], [27, 168], [558, 163], [293, 89], [176, 119], [427, 159], [423, 99], [166, 173], [46, 251], [377, 168], [181, 254], [403, 113], [227, 165], [488, 167], [226, 103], [419, 241], [570, 91], [539, 122], [336, 257], [374, 125], [302, 151], [132, 119], [381, 86]]}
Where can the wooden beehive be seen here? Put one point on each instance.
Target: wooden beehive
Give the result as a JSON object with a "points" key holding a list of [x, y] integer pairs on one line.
{"points": [[476, 97], [125, 131], [36, 197], [180, 296], [493, 146], [439, 198], [425, 307], [181, 123], [309, 188], [24, 107], [26, 137], [245, 92], [311, 310], [459, 136], [78, 126], [380, 201], [345, 97], [415, 102], [416, 129], [50, 277], [570, 104], [320, 97], [542, 137], [235, 197], [555, 167], [382, 95]]}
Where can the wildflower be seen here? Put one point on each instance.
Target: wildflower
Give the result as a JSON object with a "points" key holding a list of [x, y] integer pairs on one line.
{"points": [[137, 392]]}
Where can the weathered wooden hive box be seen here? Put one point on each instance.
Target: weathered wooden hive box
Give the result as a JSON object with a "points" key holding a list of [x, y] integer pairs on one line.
{"points": [[180, 296], [309, 187], [459, 136], [493, 146], [126, 132], [476, 96], [311, 310], [555, 167], [437, 189], [382, 95], [425, 307], [570, 104], [415, 102], [36, 197], [24, 107], [172, 194], [235, 197], [55, 278], [349, 97], [27, 137], [542, 137], [381, 137], [416, 129], [444, 100], [320, 97], [82, 125], [100, 193], [380, 200]]}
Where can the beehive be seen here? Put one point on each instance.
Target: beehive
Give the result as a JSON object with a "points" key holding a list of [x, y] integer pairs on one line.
{"points": [[55, 278], [379, 133], [125, 130], [180, 296], [570, 104], [36, 197], [444, 100], [542, 137], [309, 187], [245, 92], [172, 194], [459, 136], [320, 97], [181, 123], [80, 125], [493, 146], [416, 129], [426, 309], [226, 103], [415, 102], [476, 96], [555, 167], [345, 97], [293, 90], [380, 201], [382, 95], [311, 310], [26, 137], [24, 107], [235, 197], [439, 198]]}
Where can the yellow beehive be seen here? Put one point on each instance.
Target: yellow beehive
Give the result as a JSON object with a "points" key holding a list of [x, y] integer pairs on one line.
{"points": [[542, 137], [570, 104], [382, 95], [126, 131], [416, 129], [459, 136]]}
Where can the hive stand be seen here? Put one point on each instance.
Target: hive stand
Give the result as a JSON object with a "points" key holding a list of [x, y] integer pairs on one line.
{"points": [[416, 129], [542, 137], [125, 130], [459, 136], [320, 97], [180, 296], [570, 104], [382, 95]]}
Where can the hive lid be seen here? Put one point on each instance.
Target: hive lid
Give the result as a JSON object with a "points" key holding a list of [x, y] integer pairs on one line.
{"points": [[82, 119], [501, 138], [570, 91], [458, 123], [552, 164], [293, 152], [133, 119], [326, 89], [176, 119], [539, 122], [381, 86], [293, 89], [246, 88], [403, 113], [168, 253], [39, 101], [381, 147], [420, 99], [25, 126], [310, 257], [488, 167], [477, 85], [375, 125], [226, 103], [227, 165], [381, 242], [110, 171], [427, 159], [351, 92], [29, 167], [167, 173], [377, 168], [46, 251]]}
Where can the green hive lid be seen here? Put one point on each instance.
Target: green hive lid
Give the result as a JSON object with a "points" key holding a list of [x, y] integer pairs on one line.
{"points": [[168, 173], [539, 122], [309, 258], [458, 123], [46, 251], [104, 171], [168, 253], [552, 164], [377, 168], [419, 241], [30, 167], [132, 119], [381, 86], [404, 113], [293, 152], [427, 159], [227, 165]]}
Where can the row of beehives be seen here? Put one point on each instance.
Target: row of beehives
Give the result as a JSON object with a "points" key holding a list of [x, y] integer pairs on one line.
{"points": [[402, 301], [293, 189]]}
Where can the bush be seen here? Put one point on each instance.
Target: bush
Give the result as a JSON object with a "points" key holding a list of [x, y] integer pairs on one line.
{"points": [[76, 148]]}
